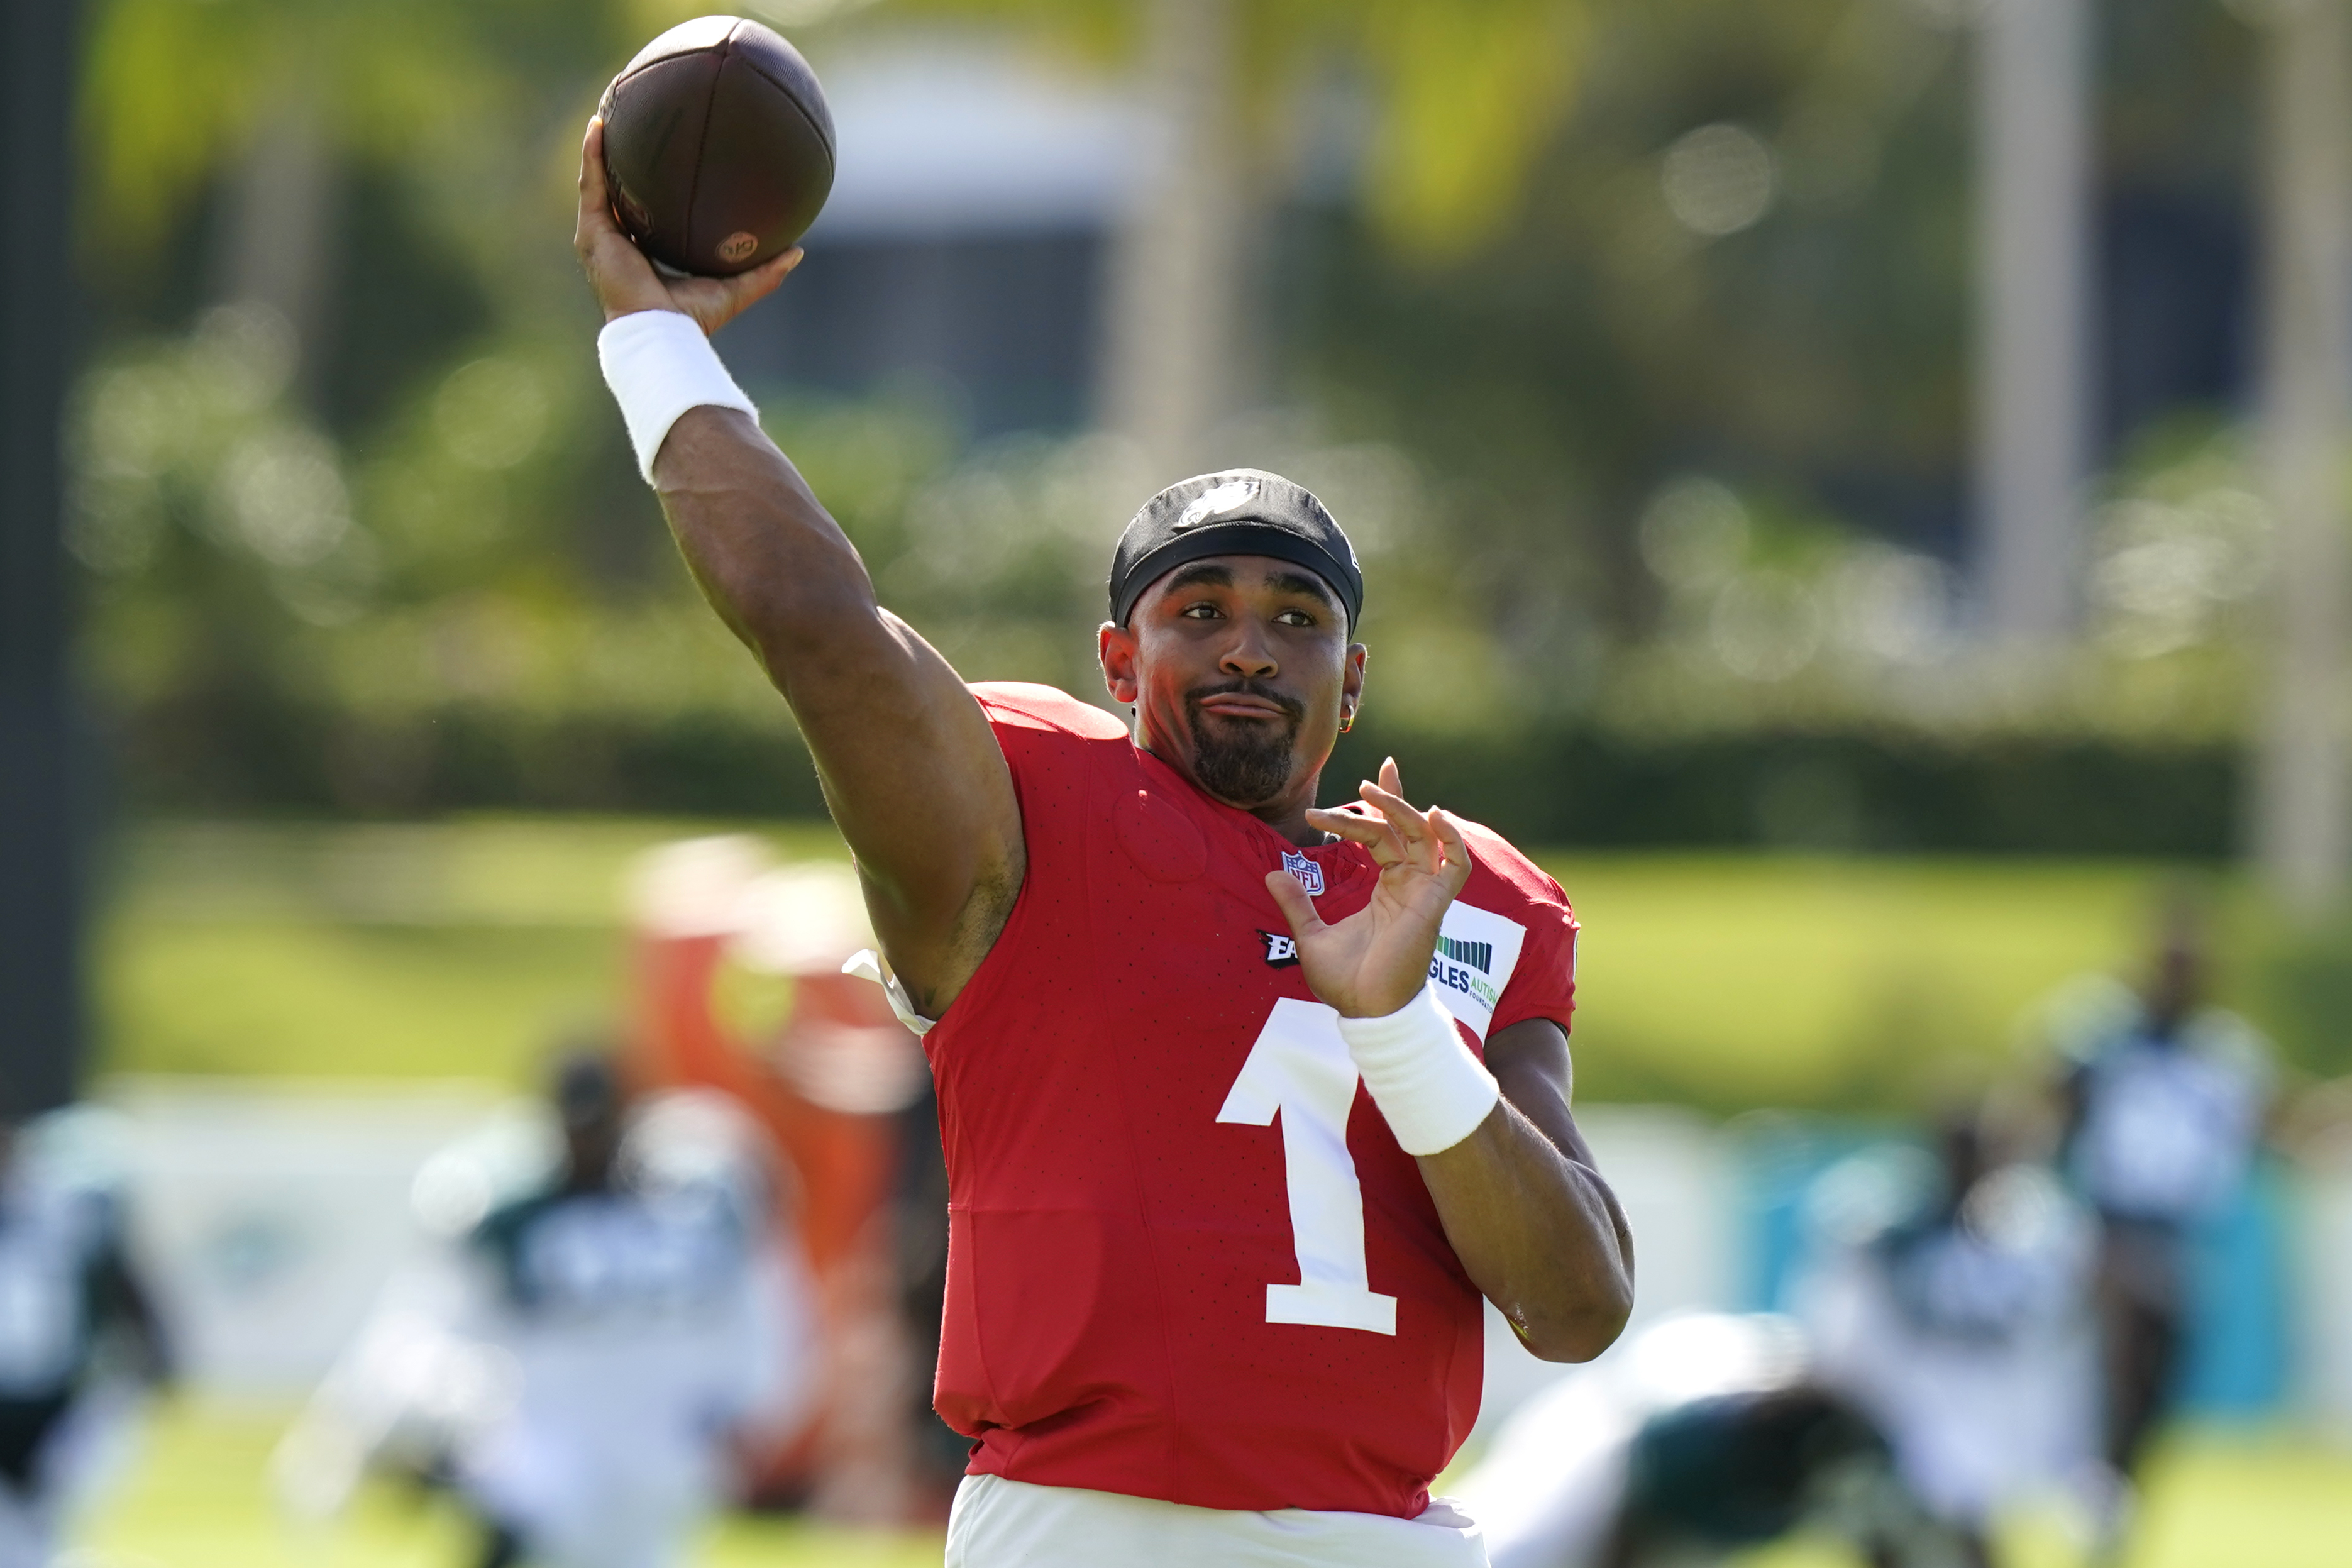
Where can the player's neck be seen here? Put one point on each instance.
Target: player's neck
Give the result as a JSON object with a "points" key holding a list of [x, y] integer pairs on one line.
{"points": [[1286, 813], [1293, 828], [1288, 816]]}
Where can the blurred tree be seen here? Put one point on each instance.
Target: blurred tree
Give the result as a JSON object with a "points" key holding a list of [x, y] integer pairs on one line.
{"points": [[1744, 255], [388, 431], [388, 406], [1604, 324], [1463, 94], [1463, 97], [261, 109]]}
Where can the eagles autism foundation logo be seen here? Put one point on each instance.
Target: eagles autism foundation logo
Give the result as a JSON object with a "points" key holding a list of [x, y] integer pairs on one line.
{"points": [[1479, 955], [1466, 965]]}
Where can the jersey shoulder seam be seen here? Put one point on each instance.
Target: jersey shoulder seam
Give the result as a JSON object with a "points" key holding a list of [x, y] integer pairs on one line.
{"points": [[1045, 707], [1528, 884]]}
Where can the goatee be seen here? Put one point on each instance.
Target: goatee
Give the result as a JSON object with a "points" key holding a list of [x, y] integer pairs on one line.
{"points": [[1247, 764]]}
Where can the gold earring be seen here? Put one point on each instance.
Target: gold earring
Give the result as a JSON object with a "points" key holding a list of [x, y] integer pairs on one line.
{"points": [[1347, 720]]}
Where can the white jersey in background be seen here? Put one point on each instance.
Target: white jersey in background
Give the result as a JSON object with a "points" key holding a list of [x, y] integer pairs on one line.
{"points": [[643, 1324], [581, 1362], [1965, 1336], [2167, 1128]]}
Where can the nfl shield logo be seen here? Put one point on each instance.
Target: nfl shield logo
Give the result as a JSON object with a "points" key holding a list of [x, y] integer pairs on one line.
{"points": [[1309, 875]]}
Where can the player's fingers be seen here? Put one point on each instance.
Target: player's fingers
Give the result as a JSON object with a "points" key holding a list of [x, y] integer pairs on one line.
{"points": [[1361, 826], [1295, 906], [1391, 780], [1447, 827], [1394, 807], [1365, 826], [715, 302], [592, 172], [750, 287], [1412, 832], [1372, 832], [596, 236]]}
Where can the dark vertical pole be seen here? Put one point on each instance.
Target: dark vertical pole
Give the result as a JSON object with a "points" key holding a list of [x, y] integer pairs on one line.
{"points": [[40, 905]]}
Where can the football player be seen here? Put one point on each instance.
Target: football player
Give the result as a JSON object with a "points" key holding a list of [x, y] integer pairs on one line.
{"points": [[1950, 1302], [587, 1363], [2165, 1100], [1706, 1437], [1246, 1103], [629, 1300], [80, 1336]]}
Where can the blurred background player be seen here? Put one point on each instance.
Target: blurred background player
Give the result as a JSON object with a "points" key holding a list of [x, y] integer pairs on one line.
{"points": [[1708, 1435], [1948, 1299], [2163, 1103], [628, 1295], [80, 1335], [590, 1367]]}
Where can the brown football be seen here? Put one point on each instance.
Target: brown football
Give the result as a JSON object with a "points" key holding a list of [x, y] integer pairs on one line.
{"points": [[717, 146]]}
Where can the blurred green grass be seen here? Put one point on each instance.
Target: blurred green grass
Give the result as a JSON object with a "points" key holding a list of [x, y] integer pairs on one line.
{"points": [[458, 948], [2214, 1498], [1736, 981], [194, 1498], [411, 950]]}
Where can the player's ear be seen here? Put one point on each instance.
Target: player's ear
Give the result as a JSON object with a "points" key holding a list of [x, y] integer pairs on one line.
{"points": [[1115, 645], [1352, 682]]}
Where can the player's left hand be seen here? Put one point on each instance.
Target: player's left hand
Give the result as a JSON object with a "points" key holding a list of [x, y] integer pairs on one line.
{"points": [[1371, 963]]}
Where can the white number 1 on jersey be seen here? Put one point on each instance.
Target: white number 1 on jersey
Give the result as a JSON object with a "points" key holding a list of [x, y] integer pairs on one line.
{"points": [[1300, 1067]]}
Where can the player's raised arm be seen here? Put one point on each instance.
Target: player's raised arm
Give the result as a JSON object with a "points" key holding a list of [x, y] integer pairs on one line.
{"points": [[909, 766]]}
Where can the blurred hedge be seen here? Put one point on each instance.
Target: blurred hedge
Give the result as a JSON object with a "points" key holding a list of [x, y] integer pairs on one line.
{"points": [[1551, 786], [1863, 791]]}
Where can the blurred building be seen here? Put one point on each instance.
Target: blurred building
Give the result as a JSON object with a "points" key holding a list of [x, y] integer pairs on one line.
{"points": [[962, 256]]}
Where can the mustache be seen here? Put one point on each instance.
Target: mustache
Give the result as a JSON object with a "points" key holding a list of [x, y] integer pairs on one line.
{"points": [[1292, 709]]}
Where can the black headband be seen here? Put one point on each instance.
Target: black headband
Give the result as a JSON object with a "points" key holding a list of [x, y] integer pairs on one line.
{"points": [[1239, 511]]}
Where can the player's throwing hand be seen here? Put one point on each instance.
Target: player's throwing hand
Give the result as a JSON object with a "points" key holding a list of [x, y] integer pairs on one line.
{"points": [[1375, 961], [625, 282]]}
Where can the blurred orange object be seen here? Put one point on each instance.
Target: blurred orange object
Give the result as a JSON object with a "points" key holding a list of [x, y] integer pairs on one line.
{"points": [[825, 1088]]}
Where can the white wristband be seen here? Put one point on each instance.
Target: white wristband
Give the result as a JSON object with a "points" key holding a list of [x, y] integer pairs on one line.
{"points": [[659, 364], [1424, 1080]]}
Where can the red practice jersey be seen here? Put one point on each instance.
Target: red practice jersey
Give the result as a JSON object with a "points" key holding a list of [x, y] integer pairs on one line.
{"points": [[1187, 1259]]}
